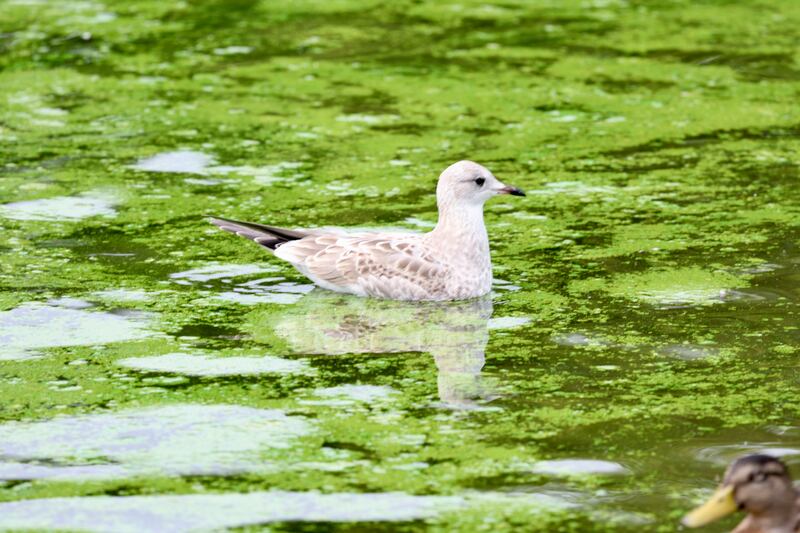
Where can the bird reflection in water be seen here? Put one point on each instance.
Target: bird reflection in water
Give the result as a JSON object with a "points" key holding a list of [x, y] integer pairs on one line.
{"points": [[455, 333]]}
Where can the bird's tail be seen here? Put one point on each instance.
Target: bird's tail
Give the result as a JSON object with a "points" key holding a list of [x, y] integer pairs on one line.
{"points": [[267, 236]]}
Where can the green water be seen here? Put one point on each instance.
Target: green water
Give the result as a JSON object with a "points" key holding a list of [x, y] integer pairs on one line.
{"points": [[156, 373]]}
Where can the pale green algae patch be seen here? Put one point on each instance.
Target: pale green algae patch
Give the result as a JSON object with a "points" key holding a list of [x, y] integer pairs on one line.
{"points": [[645, 330], [677, 286]]}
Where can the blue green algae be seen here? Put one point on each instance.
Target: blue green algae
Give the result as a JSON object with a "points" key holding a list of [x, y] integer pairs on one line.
{"points": [[644, 325]]}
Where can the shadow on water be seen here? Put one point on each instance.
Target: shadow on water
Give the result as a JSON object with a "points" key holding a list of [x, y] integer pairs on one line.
{"points": [[454, 333]]}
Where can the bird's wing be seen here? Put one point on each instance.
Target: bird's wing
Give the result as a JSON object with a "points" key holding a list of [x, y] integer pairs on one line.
{"points": [[391, 266], [268, 236]]}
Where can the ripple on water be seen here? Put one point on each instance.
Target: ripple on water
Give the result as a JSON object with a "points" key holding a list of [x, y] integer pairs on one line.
{"points": [[579, 339], [175, 440], [762, 268], [205, 365], [503, 285], [217, 511], [792, 431], [724, 454], [749, 295], [216, 271], [274, 289], [33, 326], [688, 351], [266, 291], [673, 288], [62, 208], [681, 298]]}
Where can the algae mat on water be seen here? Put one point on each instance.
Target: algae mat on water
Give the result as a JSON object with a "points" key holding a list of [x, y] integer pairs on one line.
{"points": [[161, 375]]}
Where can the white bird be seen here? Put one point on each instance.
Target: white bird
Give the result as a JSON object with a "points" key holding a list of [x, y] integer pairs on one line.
{"points": [[451, 262]]}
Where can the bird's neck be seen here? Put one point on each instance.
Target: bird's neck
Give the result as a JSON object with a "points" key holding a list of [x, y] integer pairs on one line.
{"points": [[781, 516], [461, 229]]}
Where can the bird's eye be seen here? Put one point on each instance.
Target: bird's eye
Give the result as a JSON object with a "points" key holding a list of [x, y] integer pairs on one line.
{"points": [[480, 181]]}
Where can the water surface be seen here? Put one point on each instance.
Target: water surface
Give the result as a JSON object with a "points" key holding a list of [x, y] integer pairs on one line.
{"points": [[642, 332]]}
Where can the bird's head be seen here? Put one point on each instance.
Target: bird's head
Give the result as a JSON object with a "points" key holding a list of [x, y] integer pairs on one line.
{"points": [[759, 484], [469, 184]]}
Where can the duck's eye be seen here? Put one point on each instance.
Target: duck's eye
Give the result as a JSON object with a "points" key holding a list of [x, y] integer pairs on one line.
{"points": [[480, 181]]}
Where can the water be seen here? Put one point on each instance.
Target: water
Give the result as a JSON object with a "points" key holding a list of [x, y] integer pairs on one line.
{"points": [[643, 328]]}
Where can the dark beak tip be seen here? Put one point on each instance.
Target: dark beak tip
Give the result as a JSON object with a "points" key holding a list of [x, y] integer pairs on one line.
{"points": [[511, 190]]}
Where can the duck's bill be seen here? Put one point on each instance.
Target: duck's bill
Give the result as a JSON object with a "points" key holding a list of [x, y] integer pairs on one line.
{"points": [[720, 504], [510, 190]]}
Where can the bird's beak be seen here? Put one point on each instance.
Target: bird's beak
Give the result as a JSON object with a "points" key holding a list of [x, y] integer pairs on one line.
{"points": [[720, 504], [510, 190]]}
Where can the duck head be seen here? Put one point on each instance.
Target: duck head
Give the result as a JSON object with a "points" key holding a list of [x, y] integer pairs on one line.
{"points": [[758, 484]]}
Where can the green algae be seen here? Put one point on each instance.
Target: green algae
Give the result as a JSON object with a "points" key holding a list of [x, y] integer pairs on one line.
{"points": [[676, 286], [654, 259]]}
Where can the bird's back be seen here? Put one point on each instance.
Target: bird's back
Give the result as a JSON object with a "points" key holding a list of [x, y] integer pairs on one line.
{"points": [[399, 266]]}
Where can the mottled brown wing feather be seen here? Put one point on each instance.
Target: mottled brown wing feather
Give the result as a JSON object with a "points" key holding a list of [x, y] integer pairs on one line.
{"points": [[379, 266]]}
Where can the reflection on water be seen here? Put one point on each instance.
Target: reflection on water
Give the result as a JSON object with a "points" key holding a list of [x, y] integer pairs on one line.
{"points": [[188, 161], [688, 351], [271, 289], [62, 208], [267, 290], [171, 440], [207, 365], [195, 162], [578, 467], [656, 258], [351, 394], [63, 322], [455, 333], [123, 295], [215, 271], [193, 512], [217, 511], [508, 322]]}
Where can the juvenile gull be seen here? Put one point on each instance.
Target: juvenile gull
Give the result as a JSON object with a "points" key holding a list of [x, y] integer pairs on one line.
{"points": [[451, 262]]}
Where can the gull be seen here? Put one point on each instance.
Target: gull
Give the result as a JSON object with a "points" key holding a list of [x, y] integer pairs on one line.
{"points": [[451, 262]]}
